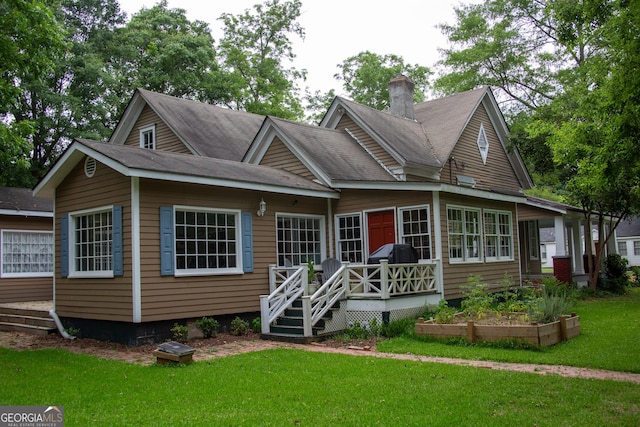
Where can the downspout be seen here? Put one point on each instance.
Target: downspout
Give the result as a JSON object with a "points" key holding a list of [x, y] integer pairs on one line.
{"points": [[61, 329], [52, 312]]}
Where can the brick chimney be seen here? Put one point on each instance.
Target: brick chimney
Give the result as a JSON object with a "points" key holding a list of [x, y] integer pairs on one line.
{"points": [[401, 96]]}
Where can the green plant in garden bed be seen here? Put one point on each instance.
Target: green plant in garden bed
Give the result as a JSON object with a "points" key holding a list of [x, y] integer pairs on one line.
{"points": [[208, 326], [294, 387], [610, 333]]}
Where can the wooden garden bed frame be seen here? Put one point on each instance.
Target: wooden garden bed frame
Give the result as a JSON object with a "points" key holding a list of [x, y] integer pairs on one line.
{"points": [[540, 335]]}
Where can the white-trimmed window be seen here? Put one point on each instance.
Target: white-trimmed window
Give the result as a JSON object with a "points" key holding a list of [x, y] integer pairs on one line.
{"points": [[91, 243], [148, 137], [464, 229], [415, 229], [483, 144], [207, 241], [498, 236], [300, 239], [543, 252], [622, 248], [349, 237], [636, 247], [26, 253]]}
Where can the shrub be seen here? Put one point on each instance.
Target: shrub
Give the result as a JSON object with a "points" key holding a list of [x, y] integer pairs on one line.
{"points": [[616, 279], [363, 330], [239, 326], [208, 326], [635, 276], [180, 332], [256, 325], [398, 328]]}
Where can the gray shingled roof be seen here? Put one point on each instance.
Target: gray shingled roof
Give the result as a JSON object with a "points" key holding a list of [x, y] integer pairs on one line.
{"points": [[22, 199], [406, 137], [335, 152], [188, 165], [210, 130], [628, 228], [444, 119]]}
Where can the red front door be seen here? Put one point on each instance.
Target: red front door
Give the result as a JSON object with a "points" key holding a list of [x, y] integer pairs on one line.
{"points": [[381, 229]]}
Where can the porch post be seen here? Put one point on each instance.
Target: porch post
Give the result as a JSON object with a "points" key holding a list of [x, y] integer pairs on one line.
{"points": [[345, 279], [578, 247], [384, 280], [264, 314], [560, 240], [306, 316], [272, 278]]}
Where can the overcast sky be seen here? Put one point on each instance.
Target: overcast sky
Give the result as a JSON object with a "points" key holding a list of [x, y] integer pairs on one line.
{"points": [[338, 29]]}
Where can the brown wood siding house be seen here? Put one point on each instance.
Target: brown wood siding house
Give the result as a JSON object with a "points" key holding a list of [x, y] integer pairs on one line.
{"points": [[26, 246], [201, 165]]}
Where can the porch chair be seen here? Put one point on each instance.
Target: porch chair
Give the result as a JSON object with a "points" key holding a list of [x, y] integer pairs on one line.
{"points": [[329, 267]]}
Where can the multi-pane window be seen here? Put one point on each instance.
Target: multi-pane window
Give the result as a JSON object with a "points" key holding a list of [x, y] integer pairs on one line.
{"points": [[636, 247], [350, 237], [206, 241], [498, 235], [415, 229], [299, 239], [622, 248], [543, 252], [27, 253], [465, 240], [148, 137], [93, 242]]}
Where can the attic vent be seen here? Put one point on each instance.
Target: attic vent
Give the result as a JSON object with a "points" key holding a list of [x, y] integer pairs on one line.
{"points": [[90, 166], [483, 144], [466, 181]]}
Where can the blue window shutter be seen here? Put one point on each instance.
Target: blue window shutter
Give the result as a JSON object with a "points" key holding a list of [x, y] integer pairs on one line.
{"points": [[166, 241], [247, 242], [118, 256], [64, 245]]}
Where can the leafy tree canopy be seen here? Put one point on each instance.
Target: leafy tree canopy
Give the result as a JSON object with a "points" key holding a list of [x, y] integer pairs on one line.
{"points": [[366, 76], [256, 51]]}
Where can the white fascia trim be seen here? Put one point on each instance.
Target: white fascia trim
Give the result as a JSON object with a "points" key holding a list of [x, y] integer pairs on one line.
{"points": [[40, 214], [465, 191], [219, 182], [386, 185], [129, 118], [333, 120], [426, 172], [545, 207], [267, 134], [136, 292]]}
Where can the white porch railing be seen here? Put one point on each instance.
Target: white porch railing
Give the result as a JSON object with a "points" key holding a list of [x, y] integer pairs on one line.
{"points": [[386, 280], [373, 281], [294, 284]]}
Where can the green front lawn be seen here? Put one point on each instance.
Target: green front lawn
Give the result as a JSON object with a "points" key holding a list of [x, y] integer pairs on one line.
{"points": [[294, 387], [610, 339]]}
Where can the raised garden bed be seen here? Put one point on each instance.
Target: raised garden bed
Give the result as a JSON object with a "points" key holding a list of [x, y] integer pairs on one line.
{"points": [[536, 334]]}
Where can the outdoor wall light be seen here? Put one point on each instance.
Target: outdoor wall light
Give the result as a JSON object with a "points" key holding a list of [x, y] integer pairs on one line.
{"points": [[262, 208]]}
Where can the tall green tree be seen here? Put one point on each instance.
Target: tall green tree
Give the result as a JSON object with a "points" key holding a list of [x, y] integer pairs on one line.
{"points": [[256, 51], [30, 41], [161, 50], [366, 76], [569, 70]]}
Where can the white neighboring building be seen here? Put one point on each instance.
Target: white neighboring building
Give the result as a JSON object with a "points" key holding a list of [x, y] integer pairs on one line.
{"points": [[547, 246], [628, 241]]}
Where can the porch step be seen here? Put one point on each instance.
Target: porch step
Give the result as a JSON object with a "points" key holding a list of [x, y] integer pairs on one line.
{"points": [[290, 326], [27, 320]]}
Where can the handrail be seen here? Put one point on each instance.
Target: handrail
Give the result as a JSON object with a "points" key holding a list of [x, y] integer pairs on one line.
{"points": [[274, 304], [327, 295]]}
